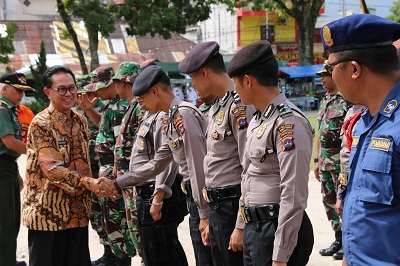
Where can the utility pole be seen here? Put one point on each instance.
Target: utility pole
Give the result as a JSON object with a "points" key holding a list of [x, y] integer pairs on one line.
{"points": [[343, 8]]}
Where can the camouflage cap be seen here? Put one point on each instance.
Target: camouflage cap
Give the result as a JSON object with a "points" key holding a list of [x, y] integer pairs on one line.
{"points": [[102, 77], [82, 82], [126, 70]]}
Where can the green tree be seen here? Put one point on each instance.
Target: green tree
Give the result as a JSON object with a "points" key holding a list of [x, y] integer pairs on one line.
{"points": [[6, 42], [97, 19], [37, 73], [395, 9], [306, 14], [66, 17]]}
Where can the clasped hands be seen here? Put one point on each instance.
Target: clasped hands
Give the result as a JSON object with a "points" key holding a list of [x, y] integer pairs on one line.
{"points": [[105, 188]]}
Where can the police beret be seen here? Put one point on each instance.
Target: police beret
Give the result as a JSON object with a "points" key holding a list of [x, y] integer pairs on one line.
{"points": [[255, 54], [359, 31], [147, 79], [198, 57]]}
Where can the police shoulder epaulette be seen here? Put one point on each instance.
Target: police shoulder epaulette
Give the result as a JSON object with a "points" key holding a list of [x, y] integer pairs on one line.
{"points": [[236, 97], [284, 109], [224, 99]]}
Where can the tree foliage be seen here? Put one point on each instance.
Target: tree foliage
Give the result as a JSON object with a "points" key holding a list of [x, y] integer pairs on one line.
{"points": [[395, 9], [6, 42], [37, 74], [163, 17], [97, 19], [306, 14]]}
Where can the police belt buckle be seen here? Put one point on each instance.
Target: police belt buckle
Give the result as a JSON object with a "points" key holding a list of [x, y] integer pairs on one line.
{"points": [[183, 188], [242, 213], [343, 179], [205, 195]]}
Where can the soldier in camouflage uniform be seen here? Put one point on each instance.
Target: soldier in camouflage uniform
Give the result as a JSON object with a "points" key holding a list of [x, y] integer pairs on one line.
{"points": [[332, 111], [124, 142], [84, 85], [109, 121]]}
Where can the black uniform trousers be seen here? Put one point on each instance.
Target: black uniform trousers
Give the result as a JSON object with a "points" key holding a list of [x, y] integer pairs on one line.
{"points": [[258, 243], [69, 247], [202, 253], [222, 222], [10, 209], [159, 240]]}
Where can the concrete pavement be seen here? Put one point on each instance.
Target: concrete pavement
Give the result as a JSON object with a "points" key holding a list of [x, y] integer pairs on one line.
{"points": [[323, 234]]}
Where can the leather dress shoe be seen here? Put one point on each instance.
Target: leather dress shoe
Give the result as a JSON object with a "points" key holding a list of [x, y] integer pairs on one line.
{"points": [[20, 263], [335, 247], [338, 255]]}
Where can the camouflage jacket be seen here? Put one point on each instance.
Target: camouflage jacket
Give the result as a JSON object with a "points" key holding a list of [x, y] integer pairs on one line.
{"points": [[205, 109], [332, 111], [124, 142], [109, 126]]}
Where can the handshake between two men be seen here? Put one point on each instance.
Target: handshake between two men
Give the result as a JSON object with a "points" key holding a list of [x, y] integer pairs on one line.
{"points": [[104, 188]]}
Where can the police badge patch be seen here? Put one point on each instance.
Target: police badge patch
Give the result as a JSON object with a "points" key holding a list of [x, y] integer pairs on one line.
{"points": [[287, 143], [240, 115], [178, 123], [164, 127]]}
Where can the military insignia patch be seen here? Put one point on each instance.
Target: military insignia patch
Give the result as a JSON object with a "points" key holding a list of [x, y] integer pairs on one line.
{"points": [[240, 115], [141, 143], [261, 130], [382, 144], [220, 117], [288, 143], [215, 135], [141, 131], [286, 127], [355, 141], [164, 127], [343, 179], [178, 122], [326, 32], [173, 144], [390, 106]]}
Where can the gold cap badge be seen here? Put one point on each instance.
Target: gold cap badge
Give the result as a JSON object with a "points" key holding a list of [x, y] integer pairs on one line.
{"points": [[326, 32]]}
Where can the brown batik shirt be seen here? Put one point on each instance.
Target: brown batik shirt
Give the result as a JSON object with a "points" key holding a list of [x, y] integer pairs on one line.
{"points": [[57, 172]]}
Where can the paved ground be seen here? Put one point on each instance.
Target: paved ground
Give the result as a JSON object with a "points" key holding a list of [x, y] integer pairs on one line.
{"points": [[322, 231]]}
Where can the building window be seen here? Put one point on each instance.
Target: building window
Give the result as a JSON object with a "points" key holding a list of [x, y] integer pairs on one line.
{"points": [[271, 33]]}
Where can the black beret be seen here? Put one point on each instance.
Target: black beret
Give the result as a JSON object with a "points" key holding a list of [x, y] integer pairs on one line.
{"points": [[198, 57], [147, 79], [358, 32], [255, 54]]}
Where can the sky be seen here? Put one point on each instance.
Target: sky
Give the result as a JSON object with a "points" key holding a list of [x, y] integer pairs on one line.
{"points": [[332, 7]]}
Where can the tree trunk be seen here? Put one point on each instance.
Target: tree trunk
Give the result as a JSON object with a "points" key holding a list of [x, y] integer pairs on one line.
{"points": [[306, 39], [93, 35], [67, 21]]}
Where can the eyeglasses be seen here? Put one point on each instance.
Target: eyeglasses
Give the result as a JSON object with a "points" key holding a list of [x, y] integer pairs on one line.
{"points": [[63, 90], [329, 67]]}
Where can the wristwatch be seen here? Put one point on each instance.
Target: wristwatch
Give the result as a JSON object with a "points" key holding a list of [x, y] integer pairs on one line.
{"points": [[316, 160]]}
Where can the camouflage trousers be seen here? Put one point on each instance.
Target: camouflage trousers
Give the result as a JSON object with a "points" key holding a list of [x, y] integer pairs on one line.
{"points": [[329, 184], [113, 218], [129, 195]]}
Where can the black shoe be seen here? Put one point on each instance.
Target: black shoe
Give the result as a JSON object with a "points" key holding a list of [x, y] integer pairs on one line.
{"points": [[338, 255], [124, 262], [20, 263], [335, 247], [107, 259]]}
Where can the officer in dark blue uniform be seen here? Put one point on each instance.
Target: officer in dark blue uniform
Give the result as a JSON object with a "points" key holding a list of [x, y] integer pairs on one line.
{"points": [[364, 65]]}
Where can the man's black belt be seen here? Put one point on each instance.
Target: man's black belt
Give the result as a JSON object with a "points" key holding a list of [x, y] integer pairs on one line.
{"points": [[260, 213], [331, 144], [123, 165], [146, 191], [8, 157], [222, 193], [106, 160]]}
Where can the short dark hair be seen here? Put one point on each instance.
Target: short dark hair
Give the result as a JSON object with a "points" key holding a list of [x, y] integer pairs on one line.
{"points": [[380, 60], [48, 83], [216, 64], [266, 74]]}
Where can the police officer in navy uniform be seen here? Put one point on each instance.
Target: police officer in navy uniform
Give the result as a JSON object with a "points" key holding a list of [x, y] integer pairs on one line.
{"points": [[276, 165], [364, 65], [226, 136], [185, 144]]}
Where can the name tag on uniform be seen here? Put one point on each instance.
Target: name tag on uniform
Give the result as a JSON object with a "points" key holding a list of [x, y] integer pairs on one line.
{"points": [[382, 144], [62, 142], [355, 141]]}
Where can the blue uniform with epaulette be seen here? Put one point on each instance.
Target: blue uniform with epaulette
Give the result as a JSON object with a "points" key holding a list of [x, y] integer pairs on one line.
{"points": [[371, 199]]}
